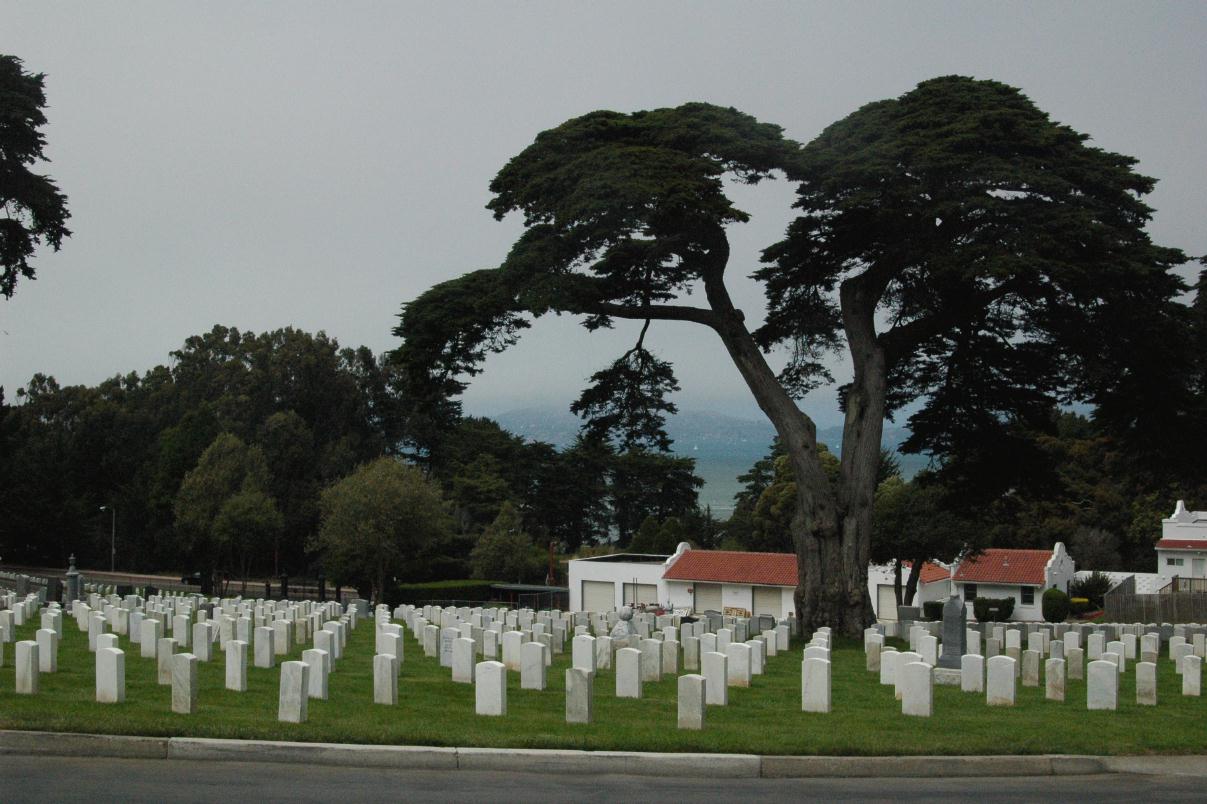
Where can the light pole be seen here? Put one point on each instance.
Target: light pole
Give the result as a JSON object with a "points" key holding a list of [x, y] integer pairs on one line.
{"points": [[112, 535]]}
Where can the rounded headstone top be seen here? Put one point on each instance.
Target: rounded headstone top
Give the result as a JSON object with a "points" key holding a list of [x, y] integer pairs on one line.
{"points": [[625, 613]]}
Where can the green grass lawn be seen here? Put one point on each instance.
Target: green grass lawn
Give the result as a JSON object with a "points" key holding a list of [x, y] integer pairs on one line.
{"points": [[765, 719]]}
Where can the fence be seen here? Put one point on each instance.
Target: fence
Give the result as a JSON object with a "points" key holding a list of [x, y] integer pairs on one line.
{"points": [[1185, 585], [1171, 607]]}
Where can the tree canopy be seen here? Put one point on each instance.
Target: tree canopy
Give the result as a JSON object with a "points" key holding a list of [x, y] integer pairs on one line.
{"points": [[377, 520], [965, 251], [35, 211]]}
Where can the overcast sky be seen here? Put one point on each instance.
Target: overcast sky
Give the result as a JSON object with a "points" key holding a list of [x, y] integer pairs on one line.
{"points": [[317, 164]]}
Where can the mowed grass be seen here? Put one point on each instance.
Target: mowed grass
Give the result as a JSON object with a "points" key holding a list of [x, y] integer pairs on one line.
{"points": [[764, 719]]}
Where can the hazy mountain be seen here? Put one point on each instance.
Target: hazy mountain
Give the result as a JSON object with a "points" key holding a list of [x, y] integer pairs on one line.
{"points": [[723, 446]]}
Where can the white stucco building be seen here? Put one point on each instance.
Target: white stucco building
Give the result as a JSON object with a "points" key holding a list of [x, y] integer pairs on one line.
{"points": [[934, 583], [724, 581], [1182, 550], [1019, 574]]}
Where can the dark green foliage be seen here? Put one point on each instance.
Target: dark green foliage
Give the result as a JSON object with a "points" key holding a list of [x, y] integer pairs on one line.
{"points": [[1093, 587], [627, 402], [35, 209], [1009, 255], [993, 608], [378, 520], [932, 610], [505, 550], [314, 409], [1055, 605], [441, 590]]}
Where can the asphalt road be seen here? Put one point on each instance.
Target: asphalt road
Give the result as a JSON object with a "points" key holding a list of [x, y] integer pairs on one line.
{"points": [[44, 779]]}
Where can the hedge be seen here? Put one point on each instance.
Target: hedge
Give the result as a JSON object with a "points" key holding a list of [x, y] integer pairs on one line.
{"points": [[464, 589], [997, 609], [1055, 606]]}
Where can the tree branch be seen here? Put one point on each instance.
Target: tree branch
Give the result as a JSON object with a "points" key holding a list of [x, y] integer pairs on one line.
{"points": [[660, 312]]}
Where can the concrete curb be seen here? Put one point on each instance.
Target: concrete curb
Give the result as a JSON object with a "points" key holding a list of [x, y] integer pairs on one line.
{"points": [[630, 763]]}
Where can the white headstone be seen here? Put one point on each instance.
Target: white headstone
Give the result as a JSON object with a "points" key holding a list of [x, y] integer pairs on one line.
{"points": [[184, 683], [716, 674], [385, 679], [1000, 681], [110, 675], [265, 647], [150, 632], [236, 665], [294, 692], [1192, 675], [628, 673], [464, 659], [972, 673], [815, 685], [1102, 684], [1146, 683], [165, 650], [1054, 679], [319, 662], [490, 689], [26, 656], [738, 656], [917, 691], [580, 694], [582, 652], [692, 700], [48, 649]]}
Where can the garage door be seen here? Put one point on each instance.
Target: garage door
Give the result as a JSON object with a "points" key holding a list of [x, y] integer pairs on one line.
{"points": [[599, 596], [768, 600], [639, 593], [708, 597], [886, 602]]}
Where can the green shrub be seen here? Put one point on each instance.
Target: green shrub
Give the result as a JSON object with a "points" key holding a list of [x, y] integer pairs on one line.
{"points": [[1079, 605], [1055, 606], [933, 610], [442, 590], [997, 609], [1093, 587]]}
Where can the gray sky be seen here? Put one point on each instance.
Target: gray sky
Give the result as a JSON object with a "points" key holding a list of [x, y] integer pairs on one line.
{"points": [[317, 164]]}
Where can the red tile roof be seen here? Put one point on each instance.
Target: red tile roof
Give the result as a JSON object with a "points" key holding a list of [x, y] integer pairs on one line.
{"points": [[931, 572], [725, 566], [1005, 566], [1182, 544]]}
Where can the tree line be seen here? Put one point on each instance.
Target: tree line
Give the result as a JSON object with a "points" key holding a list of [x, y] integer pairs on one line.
{"points": [[230, 459]]}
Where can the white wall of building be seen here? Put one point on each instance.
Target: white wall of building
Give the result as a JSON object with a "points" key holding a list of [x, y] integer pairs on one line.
{"points": [[617, 572], [1183, 563], [1060, 569], [1033, 612]]}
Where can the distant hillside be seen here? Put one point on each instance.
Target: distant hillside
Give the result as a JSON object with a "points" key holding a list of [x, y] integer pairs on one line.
{"points": [[723, 446]]}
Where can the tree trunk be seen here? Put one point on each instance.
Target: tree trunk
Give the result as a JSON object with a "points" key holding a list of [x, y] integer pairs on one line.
{"points": [[897, 580], [911, 586], [831, 554]]}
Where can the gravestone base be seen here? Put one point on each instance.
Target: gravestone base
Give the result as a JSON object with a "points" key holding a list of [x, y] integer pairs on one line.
{"points": [[945, 677]]}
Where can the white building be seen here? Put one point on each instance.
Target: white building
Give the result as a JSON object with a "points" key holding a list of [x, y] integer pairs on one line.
{"points": [[724, 581], [1182, 550], [934, 583], [1019, 574], [728, 582]]}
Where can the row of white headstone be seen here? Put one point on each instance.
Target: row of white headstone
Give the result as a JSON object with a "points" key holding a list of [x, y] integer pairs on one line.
{"points": [[913, 673], [635, 660], [299, 680]]}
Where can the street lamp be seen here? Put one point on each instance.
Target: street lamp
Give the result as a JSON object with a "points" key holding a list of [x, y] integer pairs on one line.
{"points": [[112, 535]]}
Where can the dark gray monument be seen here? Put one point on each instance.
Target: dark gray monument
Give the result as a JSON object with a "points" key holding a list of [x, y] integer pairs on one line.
{"points": [[955, 635]]}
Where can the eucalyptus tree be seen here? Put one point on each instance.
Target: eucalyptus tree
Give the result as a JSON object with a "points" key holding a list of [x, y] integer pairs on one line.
{"points": [[957, 245]]}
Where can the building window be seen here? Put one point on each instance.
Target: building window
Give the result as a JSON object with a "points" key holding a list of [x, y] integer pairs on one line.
{"points": [[1028, 595], [970, 591], [1174, 562]]}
